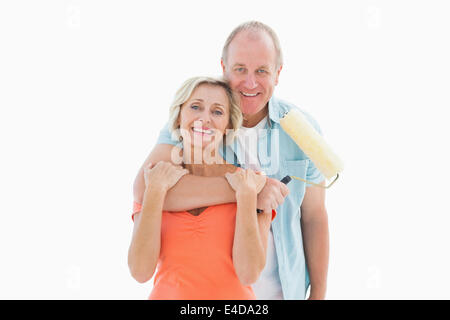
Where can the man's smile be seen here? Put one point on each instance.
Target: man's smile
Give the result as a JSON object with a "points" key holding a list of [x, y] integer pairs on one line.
{"points": [[245, 94]]}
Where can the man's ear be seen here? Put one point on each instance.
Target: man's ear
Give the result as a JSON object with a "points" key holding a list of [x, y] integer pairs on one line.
{"points": [[278, 74], [223, 65]]}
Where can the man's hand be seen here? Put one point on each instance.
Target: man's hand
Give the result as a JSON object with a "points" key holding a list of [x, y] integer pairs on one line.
{"points": [[272, 195]]}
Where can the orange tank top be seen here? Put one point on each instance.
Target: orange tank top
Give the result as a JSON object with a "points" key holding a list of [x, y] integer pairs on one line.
{"points": [[195, 261]]}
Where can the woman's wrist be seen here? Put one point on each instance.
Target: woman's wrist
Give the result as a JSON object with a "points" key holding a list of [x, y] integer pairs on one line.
{"points": [[155, 191], [246, 193]]}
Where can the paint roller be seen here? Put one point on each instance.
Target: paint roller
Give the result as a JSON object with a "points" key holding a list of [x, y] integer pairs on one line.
{"points": [[294, 123]]}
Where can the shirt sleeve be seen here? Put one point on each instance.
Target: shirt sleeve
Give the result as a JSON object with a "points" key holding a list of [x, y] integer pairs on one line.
{"points": [[313, 174], [165, 137]]}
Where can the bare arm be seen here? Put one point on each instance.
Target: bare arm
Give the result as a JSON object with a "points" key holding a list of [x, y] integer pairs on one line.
{"points": [[250, 239], [145, 245], [251, 230], [191, 191], [314, 223], [196, 192]]}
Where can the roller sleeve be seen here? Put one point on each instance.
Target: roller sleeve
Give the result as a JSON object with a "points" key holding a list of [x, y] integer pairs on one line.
{"points": [[295, 124]]}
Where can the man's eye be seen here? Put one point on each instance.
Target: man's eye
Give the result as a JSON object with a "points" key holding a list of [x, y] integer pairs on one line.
{"points": [[261, 71], [240, 69]]}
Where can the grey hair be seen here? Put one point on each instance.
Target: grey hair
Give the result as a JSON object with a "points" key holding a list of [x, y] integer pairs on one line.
{"points": [[185, 91], [254, 26]]}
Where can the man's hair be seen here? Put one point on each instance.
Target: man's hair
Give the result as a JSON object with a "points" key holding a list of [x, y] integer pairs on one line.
{"points": [[184, 93], [254, 26]]}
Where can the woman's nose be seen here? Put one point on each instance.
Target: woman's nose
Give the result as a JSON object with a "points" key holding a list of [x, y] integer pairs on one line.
{"points": [[205, 117]]}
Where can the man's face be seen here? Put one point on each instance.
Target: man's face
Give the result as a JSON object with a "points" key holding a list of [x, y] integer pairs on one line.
{"points": [[251, 70]]}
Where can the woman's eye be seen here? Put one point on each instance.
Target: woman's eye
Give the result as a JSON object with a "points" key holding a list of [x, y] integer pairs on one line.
{"points": [[195, 107], [218, 112], [261, 71]]}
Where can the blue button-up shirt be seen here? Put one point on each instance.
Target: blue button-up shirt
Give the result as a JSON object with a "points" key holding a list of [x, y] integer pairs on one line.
{"points": [[280, 156]]}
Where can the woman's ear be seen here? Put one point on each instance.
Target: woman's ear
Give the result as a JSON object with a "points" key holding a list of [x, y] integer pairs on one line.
{"points": [[178, 122]]}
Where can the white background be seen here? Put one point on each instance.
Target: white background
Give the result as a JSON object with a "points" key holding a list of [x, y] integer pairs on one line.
{"points": [[85, 88]]}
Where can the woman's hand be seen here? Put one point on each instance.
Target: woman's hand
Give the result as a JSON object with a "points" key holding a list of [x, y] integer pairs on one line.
{"points": [[246, 180], [164, 175]]}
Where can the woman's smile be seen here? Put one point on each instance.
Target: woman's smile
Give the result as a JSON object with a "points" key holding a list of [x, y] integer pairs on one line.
{"points": [[203, 131]]}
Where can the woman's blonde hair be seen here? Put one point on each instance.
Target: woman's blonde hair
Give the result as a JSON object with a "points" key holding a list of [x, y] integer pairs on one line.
{"points": [[186, 90]]}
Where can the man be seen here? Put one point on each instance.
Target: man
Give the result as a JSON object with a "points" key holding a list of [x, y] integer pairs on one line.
{"points": [[251, 63]]}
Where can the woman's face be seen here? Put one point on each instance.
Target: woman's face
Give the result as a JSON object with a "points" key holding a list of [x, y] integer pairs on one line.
{"points": [[205, 116]]}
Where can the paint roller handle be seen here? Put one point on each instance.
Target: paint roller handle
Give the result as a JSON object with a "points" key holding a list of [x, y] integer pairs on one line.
{"points": [[285, 180]]}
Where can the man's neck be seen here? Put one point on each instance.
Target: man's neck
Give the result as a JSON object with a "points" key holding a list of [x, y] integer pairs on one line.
{"points": [[251, 120]]}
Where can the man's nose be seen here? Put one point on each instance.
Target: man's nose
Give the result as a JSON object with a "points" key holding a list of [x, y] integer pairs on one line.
{"points": [[250, 81]]}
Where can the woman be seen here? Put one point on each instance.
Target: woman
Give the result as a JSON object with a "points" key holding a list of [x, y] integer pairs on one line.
{"points": [[206, 253]]}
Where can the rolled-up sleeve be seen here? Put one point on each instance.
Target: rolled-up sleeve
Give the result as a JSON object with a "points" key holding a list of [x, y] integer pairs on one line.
{"points": [[165, 137]]}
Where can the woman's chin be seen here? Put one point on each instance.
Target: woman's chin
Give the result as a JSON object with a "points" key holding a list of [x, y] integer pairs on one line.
{"points": [[202, 150], [204, 145], [206, 148], [203, 141]]}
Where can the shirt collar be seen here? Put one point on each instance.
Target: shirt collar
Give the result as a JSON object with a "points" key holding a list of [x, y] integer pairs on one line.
{"points": [[277, 110]]}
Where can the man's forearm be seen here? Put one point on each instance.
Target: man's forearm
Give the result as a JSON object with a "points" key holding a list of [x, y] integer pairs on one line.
{"points": [[316, 245], [192, 192]]}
